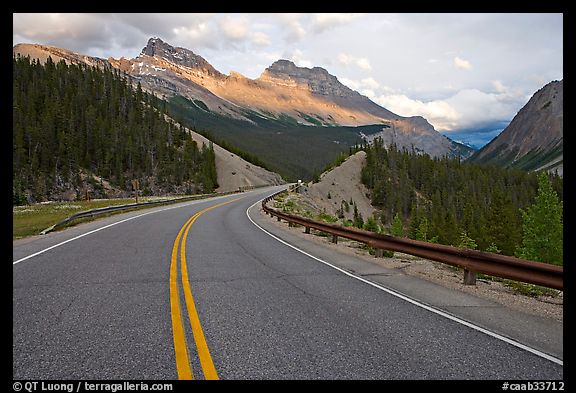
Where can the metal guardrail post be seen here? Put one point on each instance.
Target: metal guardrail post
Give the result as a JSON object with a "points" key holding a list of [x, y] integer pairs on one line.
{"points": [[469, 277]]}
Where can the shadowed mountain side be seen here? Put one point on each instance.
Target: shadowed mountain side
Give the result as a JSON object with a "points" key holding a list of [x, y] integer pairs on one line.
{"points": [[235, 172], [534, 138]]}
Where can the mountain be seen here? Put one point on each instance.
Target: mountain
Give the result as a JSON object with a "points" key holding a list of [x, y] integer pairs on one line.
{"points": [[235, 173], [309, 96], [42, 52], [295, 119], [62, 152], [534, 138], [77, 129]]}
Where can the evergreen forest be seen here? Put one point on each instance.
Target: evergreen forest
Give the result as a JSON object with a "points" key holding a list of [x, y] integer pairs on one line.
{"points": [[75, 123], [452, 202]]}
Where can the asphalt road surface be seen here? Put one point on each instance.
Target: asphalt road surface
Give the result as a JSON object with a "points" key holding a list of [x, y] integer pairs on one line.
{"points": [[198, 291]]}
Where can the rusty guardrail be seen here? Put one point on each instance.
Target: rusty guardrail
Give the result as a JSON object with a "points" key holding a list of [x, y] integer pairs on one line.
{"points": [[472, 261], [104, 210]]}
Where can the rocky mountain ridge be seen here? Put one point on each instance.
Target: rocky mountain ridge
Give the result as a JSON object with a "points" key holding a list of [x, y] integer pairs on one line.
{"points": [[312, 96], [534, 138], [283, 92], [316, 79]]}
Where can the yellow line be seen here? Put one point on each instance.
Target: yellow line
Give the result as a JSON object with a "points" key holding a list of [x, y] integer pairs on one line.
{"points": [[180, 346], [203, 353]]}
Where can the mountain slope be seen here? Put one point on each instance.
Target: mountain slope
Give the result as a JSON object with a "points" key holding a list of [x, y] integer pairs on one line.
{"points": [[295, 119], [232, 171], [70, 121], [534, 138], [308, 96], [338, 187], [236, 173], [42, 52]]}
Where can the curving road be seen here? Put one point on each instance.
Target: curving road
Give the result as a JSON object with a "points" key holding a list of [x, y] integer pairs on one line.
{"points": [[197, 290]]}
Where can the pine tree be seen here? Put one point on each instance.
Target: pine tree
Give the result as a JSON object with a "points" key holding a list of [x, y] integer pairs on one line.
{"points": [[422, 230], [542, 237], [503, 223], [466, 241], [358, 220], [453, 196], [397, 228], [69, 119], [371, 225]]}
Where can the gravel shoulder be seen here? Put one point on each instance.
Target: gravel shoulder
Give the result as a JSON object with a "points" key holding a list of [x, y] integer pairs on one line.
{"points": [[550, 307], [534, 322]]}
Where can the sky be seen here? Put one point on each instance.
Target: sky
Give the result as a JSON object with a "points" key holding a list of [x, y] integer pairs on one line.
{"points": [[467, 74]]}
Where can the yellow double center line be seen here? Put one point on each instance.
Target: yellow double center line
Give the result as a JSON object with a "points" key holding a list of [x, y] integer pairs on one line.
{"points": [[180, 346]]}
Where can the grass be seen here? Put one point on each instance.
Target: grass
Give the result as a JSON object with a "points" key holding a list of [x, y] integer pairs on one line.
{"points": [[30, 220], [522, 288], [530, 289]]}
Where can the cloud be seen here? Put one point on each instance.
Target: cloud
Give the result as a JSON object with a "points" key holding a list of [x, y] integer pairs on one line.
{"points": [[465, 109], [439, 113], [297, 56], [290, 23], [478, 108], [124, 34], [500, 88], [364, 84], [360, 62], [260, 39], [370, 83], [160, 24], [234, 28], [200, 35], [76, 31], [363, 63], [462, 64], [322, 22], [344, 58]]}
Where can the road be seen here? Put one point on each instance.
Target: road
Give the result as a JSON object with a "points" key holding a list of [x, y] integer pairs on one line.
{"points": [[198, 291]]}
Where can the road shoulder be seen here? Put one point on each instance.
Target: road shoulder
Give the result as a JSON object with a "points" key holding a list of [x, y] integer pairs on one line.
{"points": [[533, 322]]}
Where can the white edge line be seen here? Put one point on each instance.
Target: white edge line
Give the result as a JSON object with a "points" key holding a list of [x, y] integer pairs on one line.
{"points": [[109, 225], [415, 302]]}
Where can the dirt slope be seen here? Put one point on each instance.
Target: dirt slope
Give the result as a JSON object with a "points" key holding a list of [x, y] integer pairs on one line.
{"points": [[343, 184], [235, 172]]}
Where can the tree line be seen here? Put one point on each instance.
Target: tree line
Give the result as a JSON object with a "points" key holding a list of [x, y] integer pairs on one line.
{"points": [[449, 201], [72, 121]]}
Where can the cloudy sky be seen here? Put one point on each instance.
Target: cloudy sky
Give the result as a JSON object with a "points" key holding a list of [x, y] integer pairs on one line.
{"points": [[468, 74]]}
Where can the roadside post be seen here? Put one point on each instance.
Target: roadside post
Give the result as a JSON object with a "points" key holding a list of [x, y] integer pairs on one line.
{"points": [[136, 187]]}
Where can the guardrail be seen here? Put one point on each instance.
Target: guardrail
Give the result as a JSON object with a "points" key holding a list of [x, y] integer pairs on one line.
{"points": [[472, 261], [103, 210]]}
